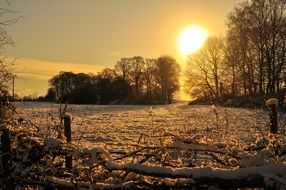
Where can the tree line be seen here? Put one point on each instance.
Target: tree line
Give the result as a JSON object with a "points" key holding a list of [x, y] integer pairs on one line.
{"points": [[134, 80], [249, 60]]}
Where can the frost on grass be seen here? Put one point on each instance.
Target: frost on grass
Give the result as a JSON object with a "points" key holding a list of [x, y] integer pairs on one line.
{"points": [[136, 146]]}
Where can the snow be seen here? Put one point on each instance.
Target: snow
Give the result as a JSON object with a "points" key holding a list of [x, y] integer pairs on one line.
{"points": [[196, 142], [68, 185], [278, 169], [52, 145], [68, 115], [116, 124], [272, 101]]}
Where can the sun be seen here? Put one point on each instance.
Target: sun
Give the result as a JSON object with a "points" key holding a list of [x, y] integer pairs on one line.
{"points": [[191, 39]]}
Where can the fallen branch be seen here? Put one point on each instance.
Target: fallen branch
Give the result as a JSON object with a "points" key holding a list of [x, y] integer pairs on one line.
{"points": [[254, 177]]}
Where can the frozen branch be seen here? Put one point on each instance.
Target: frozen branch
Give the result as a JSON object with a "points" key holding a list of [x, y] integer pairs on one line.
{"points": [[243, 178]]}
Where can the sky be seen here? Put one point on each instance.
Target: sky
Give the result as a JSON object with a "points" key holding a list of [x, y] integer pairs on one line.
{"points": [[89, 35]]}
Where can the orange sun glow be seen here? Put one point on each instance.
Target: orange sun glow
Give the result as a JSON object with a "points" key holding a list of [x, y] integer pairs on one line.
{"points": [[191, 39]]}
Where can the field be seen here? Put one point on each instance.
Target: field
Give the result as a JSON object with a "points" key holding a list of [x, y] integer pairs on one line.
{"points": [[117, 126], [169, 146]]}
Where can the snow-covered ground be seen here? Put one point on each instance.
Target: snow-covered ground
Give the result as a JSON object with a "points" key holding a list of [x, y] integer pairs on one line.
{"points": [[115, 146], [118, 126]]}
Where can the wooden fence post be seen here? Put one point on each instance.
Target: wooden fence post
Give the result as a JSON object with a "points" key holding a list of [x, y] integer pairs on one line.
{"points": [[67, 133], [6, 149], [272, 105]]}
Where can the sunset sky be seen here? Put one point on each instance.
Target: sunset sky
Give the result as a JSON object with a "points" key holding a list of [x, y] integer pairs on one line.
{"points": [[86, 36]]}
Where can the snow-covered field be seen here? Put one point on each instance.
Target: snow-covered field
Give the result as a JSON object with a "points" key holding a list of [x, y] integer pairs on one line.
{"points": [[118, 126], [119, 146]]}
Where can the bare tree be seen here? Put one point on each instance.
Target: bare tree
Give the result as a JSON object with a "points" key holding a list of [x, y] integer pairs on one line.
{"points": [[167, 75], [259, 29], [205, 66], [137, 67], [5, 40], [5, 67], [149, 78], [123, 68]]}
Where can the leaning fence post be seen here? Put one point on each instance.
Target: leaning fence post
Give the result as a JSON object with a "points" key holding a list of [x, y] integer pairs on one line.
{"points": [[5, 148], [67, 133], [272, 105]]}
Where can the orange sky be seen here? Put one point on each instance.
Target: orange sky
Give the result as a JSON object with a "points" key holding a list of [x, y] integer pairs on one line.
{"points": [[86, 36], [33, 75]]}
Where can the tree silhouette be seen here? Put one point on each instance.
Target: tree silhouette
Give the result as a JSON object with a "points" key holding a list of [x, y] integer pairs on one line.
{"points": [[250, 60], [205, 67], [257, 30], [167, 76], [5, 40], [132, 81]]}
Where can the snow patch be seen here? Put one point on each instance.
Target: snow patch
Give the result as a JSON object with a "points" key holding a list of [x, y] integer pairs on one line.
{"points": [[272, 101]]}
